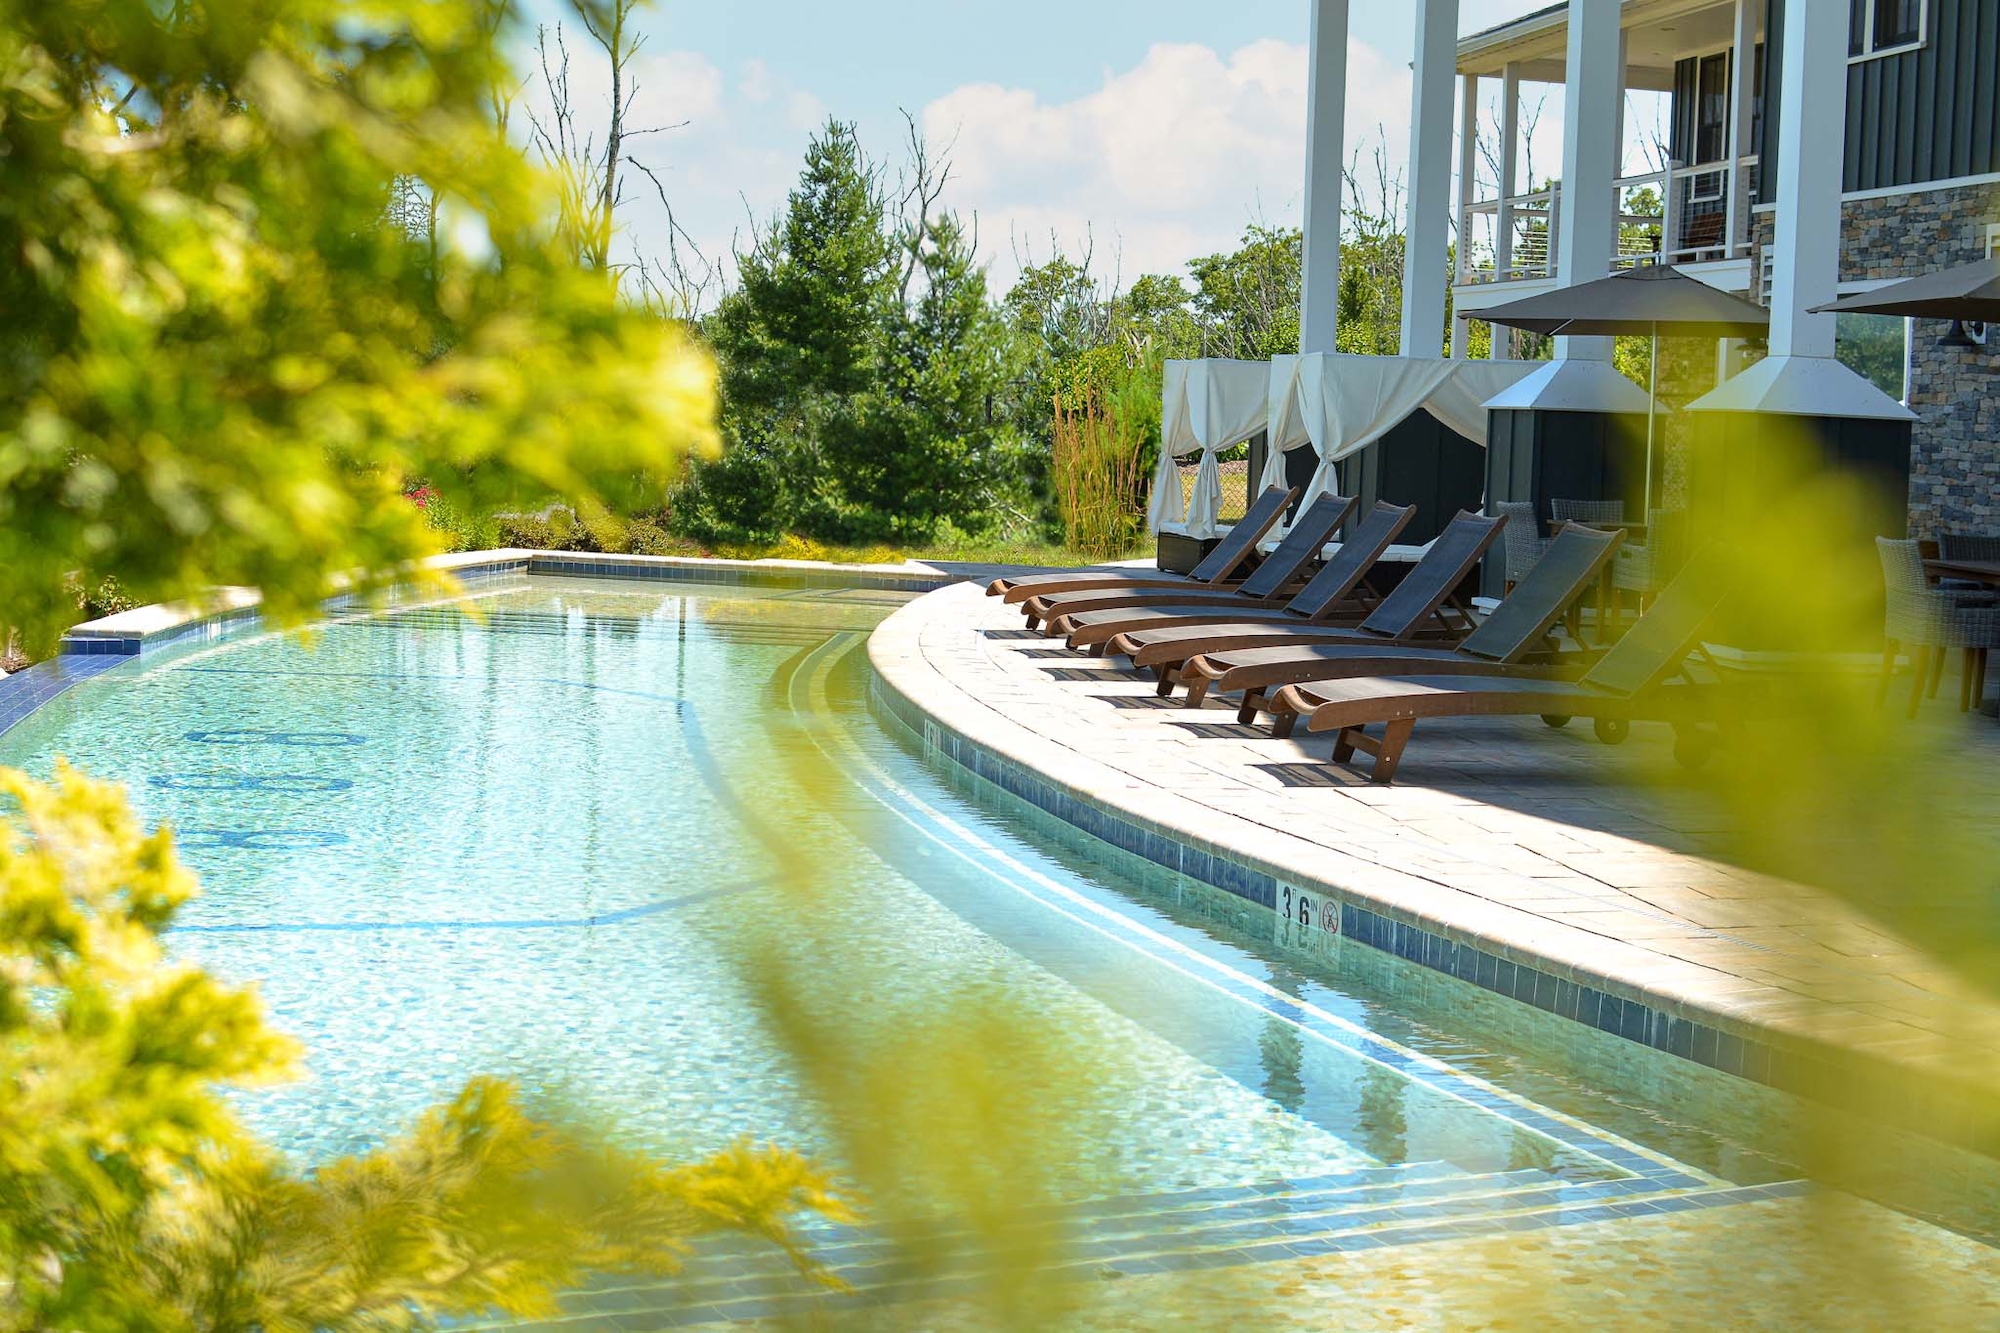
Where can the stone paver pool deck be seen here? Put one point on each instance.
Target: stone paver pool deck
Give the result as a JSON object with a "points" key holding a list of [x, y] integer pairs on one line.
{"points": [[1513, 842]]}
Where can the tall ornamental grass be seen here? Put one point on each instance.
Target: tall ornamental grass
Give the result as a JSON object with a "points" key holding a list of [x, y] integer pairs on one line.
{"points": [[1098, 470]]}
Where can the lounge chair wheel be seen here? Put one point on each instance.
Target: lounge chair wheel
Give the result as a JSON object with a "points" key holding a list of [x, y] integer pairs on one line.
{"points": [[1556, 720], [1693, 748], [1612, 730]]}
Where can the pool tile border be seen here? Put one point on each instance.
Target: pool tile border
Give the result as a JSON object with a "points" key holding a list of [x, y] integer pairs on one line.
{"points": [[25, 691], [1603, 1003]]}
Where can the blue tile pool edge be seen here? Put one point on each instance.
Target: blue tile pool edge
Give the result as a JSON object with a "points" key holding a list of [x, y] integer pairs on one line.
{"points": [[1848, 1081], [22, 693]]}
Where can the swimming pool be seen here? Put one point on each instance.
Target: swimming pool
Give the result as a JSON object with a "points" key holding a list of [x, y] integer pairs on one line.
{"points": [[531, 843]]}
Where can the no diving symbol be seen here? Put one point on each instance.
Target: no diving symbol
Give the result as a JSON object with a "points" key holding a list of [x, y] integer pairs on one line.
{"points": [[277, 784], [310, 740], [256, 840]]}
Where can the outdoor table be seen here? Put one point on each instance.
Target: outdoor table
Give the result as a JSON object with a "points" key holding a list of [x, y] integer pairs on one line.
{"points": [[1977, 571]]}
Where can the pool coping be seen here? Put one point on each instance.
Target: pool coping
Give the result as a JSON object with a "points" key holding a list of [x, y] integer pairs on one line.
{"points": [[96, 646], [149, 628], [1475, 941]]}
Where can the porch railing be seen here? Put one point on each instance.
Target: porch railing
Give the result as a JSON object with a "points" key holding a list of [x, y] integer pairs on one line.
{"points": [[1681, 215]]}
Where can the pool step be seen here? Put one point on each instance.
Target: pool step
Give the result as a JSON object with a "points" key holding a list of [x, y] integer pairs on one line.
{"points": [[861, 1256], [1128, 1236]]}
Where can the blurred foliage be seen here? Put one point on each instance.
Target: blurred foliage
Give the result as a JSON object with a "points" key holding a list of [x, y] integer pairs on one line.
{"points": [[130, 1196], [223, 360]]}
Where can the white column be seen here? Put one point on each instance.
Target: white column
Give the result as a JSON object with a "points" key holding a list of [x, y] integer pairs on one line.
{"points": [[1426, 241], [1812, 124], [1588, 234], [1468, 191], [1742, 91], [1468, 171], [1800, 376], [1326, 149], [1510, 169], [1624, 81]]}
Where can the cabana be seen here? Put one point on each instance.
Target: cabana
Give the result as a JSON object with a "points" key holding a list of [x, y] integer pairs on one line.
{"points": [[1407, 430], [1206, 408]]}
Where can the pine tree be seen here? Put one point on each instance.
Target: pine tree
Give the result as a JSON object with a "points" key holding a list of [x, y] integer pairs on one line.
{"points": [[921, 450], [801, 334]]}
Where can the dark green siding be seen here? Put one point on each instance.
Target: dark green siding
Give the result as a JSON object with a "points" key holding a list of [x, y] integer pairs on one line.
{"points": [[1927, 115]]}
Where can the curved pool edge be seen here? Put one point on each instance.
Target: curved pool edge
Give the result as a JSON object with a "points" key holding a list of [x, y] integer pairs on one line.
{"points": [[925, 659], [96, 646], [148, 628]]}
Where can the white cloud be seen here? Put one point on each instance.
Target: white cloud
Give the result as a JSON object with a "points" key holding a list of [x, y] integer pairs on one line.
{"points": [[1164, 161], [754, 82], [803, 111], [1167, 160], [675, 88]]}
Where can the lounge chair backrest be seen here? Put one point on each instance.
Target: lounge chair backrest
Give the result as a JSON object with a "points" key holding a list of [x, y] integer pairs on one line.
{"points": [[1312, 530], [1660, 641], [1462, 545], [1574, 560], [1338, 578], [1240, 542]]}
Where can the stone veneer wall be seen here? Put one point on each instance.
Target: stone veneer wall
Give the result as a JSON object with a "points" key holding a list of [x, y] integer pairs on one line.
{"points": [[1955, 470]]}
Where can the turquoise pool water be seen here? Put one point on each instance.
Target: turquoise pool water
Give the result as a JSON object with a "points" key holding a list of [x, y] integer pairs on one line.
{"points": [[524, 844]]}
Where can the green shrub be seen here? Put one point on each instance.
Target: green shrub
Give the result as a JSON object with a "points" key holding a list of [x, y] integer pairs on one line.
{"points": [[735, 499], [650, 535], [529, 531]]}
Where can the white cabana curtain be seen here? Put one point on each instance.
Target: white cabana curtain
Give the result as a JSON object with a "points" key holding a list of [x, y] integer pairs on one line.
{"points": [[1206, 407], [1341, 404]]}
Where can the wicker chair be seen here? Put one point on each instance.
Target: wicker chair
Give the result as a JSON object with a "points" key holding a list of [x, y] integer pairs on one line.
{"points": [[1588, 511], [1968, 546], [1644, 570], [1523, 538], [1928, 621]]}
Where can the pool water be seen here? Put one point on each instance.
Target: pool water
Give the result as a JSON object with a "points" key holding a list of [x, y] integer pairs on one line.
{"points": [[531, 842]]}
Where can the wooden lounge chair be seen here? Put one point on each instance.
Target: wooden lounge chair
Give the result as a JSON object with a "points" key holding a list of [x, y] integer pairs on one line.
{"points": [[1237, 547], [1514, 640], [1276, 579], [1338, 593], [1631, 682], [1416, 610]]}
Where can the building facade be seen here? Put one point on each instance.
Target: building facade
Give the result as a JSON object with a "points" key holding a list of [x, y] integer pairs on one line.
{"points": [[1919, 176]]}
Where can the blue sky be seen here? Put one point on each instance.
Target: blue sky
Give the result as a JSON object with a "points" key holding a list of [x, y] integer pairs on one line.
{"points": [[1153, 130]]}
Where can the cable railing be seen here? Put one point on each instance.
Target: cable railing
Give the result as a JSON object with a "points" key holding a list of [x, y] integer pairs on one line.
{"points": [[1680, 215]]}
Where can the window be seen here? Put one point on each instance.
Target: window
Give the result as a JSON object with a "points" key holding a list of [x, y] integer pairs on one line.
{"points": [[1877, 348], [1884, 27], [1711, 101]]}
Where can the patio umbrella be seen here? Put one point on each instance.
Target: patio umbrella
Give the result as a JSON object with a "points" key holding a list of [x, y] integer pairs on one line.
{"points": [[1648, 301], [1969, 293]]}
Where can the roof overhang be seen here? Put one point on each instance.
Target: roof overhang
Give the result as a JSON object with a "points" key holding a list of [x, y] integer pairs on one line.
{"points": [[1659, 32]]}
